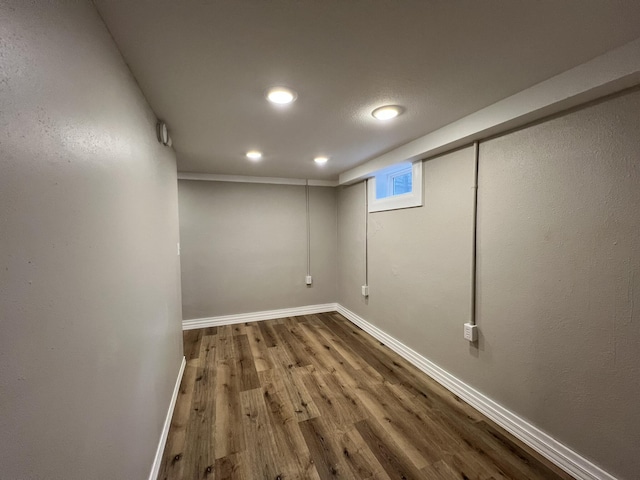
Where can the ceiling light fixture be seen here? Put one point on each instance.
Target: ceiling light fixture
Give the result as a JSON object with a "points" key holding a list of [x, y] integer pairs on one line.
{"points": [[321, 160], [254, 155], [387, 112], [281, 95]]}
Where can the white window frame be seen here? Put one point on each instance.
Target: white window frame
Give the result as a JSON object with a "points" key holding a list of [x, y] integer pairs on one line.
{"points": [[396, 202]]}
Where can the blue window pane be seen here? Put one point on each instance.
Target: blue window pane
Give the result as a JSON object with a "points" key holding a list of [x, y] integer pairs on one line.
{"points": [[381, 187], [394, 180], [402, 184]]}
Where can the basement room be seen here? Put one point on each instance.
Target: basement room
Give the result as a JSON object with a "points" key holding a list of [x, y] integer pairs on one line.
{"points": [[319, 239]]}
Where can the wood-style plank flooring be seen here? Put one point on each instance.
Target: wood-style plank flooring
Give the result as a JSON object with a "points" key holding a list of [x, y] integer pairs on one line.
{"points": [[315, 397]]}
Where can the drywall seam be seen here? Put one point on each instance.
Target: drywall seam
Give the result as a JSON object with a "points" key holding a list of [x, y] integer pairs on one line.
{"points": [[561, 455], [604, 75], [155, 468], [211, 177], [256, 316]]}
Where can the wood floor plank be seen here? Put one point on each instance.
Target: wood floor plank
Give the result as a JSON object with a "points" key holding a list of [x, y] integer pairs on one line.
{"points": [[334, 399], [232, 467], [209, 331], [248, 376], [324, 450], [314, 352], [292, 453], [172, 461], [334, 341], [359, 457], [428, 436], [441, 470], [227, 391], [523, 452], [393, 427], [508, 457], [198, 455], [390, 456], [225, 331], [304, 404], [261, 457], [268, 334], [258, 347], [467, 463], [315, 397], [239, 329], [297, 353], [374, 358], [325, 357], [192, 339]]}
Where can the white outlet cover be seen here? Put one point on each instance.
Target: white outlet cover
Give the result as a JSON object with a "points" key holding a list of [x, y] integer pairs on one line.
{"points": [[470, 332]]}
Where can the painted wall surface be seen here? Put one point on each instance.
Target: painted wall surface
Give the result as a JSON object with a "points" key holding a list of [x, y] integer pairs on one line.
{"points": [[558, 275], [90, 338], [243, 247], [352, 210], [419, 261], [559, 278]]}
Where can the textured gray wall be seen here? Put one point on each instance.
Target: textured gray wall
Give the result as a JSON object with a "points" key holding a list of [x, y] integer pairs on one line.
{"points": [[90, 341], [419, 261], [558, 275], [559, 278], [244, 247], [351, 254]]}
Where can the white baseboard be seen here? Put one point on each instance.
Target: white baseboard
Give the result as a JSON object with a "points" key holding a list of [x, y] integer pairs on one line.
{"points": [[565, 458], [257, 316], [155, 468]]}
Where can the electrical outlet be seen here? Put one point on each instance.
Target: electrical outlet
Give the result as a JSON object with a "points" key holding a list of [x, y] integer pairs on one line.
{"points": [[365, 290], [178, 248], [308, 280], [470, 332]]}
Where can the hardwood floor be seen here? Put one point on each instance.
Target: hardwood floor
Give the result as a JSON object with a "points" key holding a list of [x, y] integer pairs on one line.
{"points": [[315, 397]]}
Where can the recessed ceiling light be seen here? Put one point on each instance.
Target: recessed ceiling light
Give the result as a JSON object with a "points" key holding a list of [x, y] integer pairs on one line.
{"points": [[321, 160], [254, 155], [387, 112], [281, 95]]}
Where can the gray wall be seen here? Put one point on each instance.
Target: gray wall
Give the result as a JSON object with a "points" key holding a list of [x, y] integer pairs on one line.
{"points": [[243, 247], [419, 261], [90, 341], [558, 275]]}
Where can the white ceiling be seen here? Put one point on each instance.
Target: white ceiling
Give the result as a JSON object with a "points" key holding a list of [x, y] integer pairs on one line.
{"points": [[204, 66]]}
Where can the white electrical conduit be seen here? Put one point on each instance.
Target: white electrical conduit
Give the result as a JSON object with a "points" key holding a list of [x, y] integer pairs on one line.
{"points": [[476, 155], [306, 191], [366, 233]]}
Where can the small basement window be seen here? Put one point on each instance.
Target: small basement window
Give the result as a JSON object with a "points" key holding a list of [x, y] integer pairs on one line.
{"points": [[398, 186]]}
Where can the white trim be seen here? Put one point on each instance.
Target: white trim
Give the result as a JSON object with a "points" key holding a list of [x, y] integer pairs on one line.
{"points": [[609, 73], [556, 452], [155, 468], [212, 177], [406, 200], [257, 316]]}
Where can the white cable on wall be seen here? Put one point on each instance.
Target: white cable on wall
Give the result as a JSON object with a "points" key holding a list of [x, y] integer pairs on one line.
{"points": [[306, 188], [366, 232], [474, 248]]}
